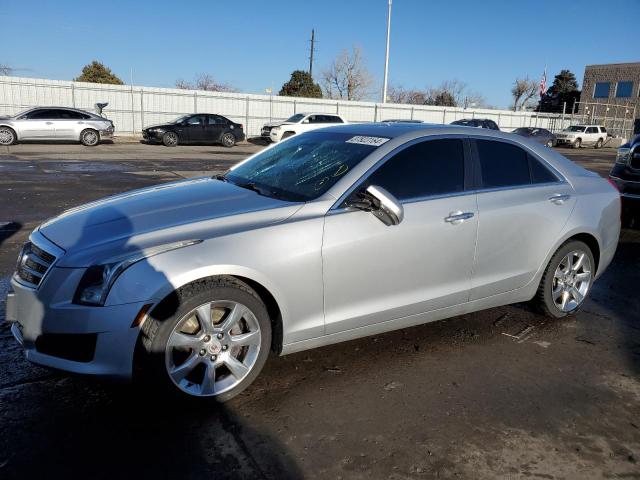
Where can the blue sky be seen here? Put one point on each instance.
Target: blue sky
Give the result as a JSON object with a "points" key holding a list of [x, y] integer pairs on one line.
{"points": [[255, 44]]}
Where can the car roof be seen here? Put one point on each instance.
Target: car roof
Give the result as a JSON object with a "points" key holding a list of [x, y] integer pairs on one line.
{"points": [[318, 113], [398, 129], [55, 107]]}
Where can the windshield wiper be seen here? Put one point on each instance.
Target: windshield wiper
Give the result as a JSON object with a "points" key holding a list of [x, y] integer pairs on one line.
{"points": [[220, 177]]}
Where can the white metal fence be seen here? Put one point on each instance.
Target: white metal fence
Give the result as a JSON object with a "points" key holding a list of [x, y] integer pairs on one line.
{"points": [[133, 107]]}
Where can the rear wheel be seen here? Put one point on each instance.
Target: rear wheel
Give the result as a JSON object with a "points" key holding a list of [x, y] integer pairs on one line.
{"points": [[89, 137], [212, 341], [567, 280], [170, 139], [228, 139], [598, 143], [577, 143], [7, 136]]}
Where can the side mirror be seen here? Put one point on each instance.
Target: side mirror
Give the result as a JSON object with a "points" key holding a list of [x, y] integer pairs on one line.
{"points": [[381, 203]]}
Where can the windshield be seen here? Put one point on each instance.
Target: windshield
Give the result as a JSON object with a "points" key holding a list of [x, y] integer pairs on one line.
{"points": [[295, 118], [574, 128], [305, 166], [522, 131], [181, 118]]}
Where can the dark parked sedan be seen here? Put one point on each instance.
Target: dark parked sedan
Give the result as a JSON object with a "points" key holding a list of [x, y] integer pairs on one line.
{"points": [[196, 128], [626, 175], [540, 135], [477, 122]]}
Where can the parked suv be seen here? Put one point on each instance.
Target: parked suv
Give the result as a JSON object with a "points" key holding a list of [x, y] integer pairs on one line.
{"points": [[579, 135], [626, 175], [55, 123], [298, 123], [196, 128], [477, 123]]}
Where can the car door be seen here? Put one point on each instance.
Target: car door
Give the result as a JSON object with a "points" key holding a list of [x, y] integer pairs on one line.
{"points": [[37, 124], [373, 272], [68, 125], [522, 206], [215, 127], [591, 135], [195, 129]]}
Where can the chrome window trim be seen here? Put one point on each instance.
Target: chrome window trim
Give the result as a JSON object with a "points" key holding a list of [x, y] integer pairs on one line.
{"points": [[561, 180], [623, 180], [395, 151]]}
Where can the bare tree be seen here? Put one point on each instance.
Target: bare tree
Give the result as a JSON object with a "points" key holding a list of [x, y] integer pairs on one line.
{"points": [[347, 78], [398, 94], [204, 81], [5, 69], [522, 91]]}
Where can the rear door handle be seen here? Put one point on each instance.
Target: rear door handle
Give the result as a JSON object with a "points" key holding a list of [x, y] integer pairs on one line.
{"points": [[559, 198], [49, 123], [458, 217]]}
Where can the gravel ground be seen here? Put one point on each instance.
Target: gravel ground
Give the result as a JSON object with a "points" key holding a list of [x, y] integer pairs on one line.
{"points": [[503, 393]]}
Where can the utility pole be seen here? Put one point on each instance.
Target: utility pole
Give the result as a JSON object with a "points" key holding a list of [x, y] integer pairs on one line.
{"points": [[386, 60], [313, 47]]}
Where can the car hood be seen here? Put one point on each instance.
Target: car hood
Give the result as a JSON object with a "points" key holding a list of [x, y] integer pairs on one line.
{"points": [[160, 125], [188, 210]]}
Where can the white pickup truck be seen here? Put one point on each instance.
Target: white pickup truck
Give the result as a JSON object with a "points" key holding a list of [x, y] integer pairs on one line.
{"points": [[578, 135], [298, 123]]}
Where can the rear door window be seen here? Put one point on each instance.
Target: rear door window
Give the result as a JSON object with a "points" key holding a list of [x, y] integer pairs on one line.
{"points": [[502, 164], [433, 167], [540, 173]]}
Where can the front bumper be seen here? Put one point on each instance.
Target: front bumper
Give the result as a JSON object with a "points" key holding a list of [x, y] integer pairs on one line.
{"points": [[106, 133], [565, 141], [75, 338]]}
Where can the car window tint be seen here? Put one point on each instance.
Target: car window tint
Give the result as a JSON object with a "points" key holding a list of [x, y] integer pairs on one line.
{"points": [[502, 164], [603, 130], [69, 115], [214, 120], [427, 168], [540, 173], [43, 114], [194, 121]]}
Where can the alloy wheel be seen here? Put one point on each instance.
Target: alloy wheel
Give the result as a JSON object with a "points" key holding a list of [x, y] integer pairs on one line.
{"points": [[213, 348], [6, 136], [90, 137], [571, 281], [228, 140]]}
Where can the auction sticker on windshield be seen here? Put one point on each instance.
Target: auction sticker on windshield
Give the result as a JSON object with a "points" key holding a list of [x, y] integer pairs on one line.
{"points": [[364, 140]]}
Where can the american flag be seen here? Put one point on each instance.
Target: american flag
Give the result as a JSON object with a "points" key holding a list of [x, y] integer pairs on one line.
{"points": [[543, 83]]}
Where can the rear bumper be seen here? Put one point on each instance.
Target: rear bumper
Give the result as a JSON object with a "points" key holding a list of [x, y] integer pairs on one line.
{"points": [[86, 340]]}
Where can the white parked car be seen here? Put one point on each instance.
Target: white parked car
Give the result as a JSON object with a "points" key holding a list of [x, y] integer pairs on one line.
{"points": [[298, 123], [578, 135]]}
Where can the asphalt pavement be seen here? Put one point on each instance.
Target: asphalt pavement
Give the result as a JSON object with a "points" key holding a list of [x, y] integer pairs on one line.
{"points": [[504, 393]]}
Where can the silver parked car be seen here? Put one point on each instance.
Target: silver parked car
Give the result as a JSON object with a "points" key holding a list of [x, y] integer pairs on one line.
{"points": [[328, 236], [55, 123]]}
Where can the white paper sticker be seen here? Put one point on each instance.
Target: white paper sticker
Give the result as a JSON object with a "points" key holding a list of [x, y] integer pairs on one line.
{"points": [[364, 140]]}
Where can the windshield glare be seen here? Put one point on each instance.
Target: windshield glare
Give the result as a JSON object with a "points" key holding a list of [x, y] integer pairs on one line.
{"points": [[303, 167], [295, 118], [574, 128]]}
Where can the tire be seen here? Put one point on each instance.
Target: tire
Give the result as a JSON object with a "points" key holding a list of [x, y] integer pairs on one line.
{"points": [[170, 139], [577, 143], [228, 139], [7, 136], [171, 355], [598, 144], [89, 137], [558, 279], [286, 135]]}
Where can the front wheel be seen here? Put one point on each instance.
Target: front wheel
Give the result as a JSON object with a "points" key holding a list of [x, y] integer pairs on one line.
{"points": [[211, 341], [567, 280], [577, 143], [228, 140], [89, 138], [7, 136], [170, 139]]}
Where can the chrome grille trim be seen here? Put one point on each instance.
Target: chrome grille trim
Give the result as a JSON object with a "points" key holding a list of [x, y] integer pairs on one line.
{"points": [[36, 260]]}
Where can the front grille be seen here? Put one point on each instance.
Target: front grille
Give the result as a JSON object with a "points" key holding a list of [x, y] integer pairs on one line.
{"points": [[33, 264]]}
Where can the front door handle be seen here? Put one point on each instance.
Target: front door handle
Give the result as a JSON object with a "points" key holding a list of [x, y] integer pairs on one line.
{"points": [[458, 217], [49, 123], [559, 198]]}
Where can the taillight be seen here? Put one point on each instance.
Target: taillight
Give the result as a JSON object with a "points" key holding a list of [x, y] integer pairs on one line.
{"points": [[241, 126]]}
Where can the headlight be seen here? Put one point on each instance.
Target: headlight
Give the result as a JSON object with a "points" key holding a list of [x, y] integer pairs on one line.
{"points": [[98, 279], [623, 155]]}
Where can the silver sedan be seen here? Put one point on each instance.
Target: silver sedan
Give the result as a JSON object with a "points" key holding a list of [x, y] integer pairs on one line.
{"points": [[55, 123], [328, 236]]}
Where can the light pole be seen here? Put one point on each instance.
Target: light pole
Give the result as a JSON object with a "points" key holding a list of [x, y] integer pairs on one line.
{"points": [[386, 59]]}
